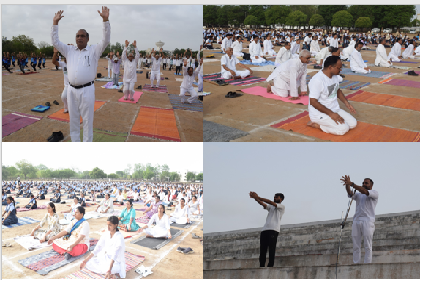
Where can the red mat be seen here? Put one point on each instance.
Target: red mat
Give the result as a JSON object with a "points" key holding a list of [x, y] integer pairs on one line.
{"points": [[59, 115], [136, 97], [385, 99]]}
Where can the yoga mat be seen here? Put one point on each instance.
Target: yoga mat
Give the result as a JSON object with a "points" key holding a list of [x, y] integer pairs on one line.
{"points": [[176, 102], [136, 97], [131, 261], [50, 260], [25, 209], [156, 123], [21, 221], [144, 220], [141, 209], [364, 132], [262, 91], [214, 132], [110, 85], [29, 243], [346, 84], [27, 73], [402, 82], [418, 72], [161, 88], [178, 74], [238, 82], [107, 136], [188, 225], [374, 74], [406, 62], [268, 68], [248, 62], [156, 243], [210, 60], [15, 121], [60, 116], [105, 79], [385, 99]]}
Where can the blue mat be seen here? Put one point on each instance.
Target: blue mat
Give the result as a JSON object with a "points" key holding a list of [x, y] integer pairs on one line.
{"points": [[176, 102], [374, 74], [365, 61], [40, 108], [245, 62], [178, 74], [21, 221]]}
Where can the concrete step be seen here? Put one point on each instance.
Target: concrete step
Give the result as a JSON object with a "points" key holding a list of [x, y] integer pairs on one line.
{"points": [[398, 256], [350, 271]]}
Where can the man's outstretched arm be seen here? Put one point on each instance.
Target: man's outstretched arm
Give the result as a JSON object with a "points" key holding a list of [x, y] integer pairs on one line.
{"points": [[264, 200], [253, 195], [105, 12], [61, 47]]}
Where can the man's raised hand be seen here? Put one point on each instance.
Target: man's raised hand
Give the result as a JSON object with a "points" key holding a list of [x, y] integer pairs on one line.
{"points": [[346, 180], [55, 50], [104, 13], [57, 17], [126, 43]]}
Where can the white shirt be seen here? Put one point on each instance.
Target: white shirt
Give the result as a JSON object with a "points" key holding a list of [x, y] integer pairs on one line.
{"points": [[268, 46], [381, 54], [163, 223], [112, 248], [179, 212], [315, 46], [237, 47], [82, 65], [356, 60], [408, 51], [365, 205], [324, 89], [63, 65], [294, 48], [334, 43], [255, 50], [189, 79], [291, 72], [155, 64], [283, 55], [130, 66], [226, 43], [230, 63], [396, 50], [274, 217]]}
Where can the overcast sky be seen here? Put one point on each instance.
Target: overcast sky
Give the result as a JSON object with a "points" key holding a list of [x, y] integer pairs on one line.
{"points": [[110, 157], [308, 174], [178, 26]]}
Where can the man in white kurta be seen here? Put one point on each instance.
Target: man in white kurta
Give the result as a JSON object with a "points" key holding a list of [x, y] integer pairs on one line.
{"points": [[200, 72], [189, 76], [288, 76], [283, 54], [256, 51], [129, 76], [334, 41], [382, 59], [408, 52], [161, 228], [228, 66], [417, 50], [237, 47], [324, 110], [357, 64], [347, 51], [315, 49], [226, 43], [155, 67], [295, 48], [395, 53], [268, 47], [323, 54], [82, 62], [364, 219]]}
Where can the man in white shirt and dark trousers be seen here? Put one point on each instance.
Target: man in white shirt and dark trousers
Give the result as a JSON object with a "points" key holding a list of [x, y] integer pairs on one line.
{"points": [[364, 218], [82, 63], [268, 238]]}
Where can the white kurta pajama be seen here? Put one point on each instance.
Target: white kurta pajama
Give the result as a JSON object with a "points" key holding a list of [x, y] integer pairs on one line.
{"points": [[104, 204], [109, 67], [408, 52], [417, 51], [231, 63], [161, 228], [268, 48], [63, 65], [82, 69], [395, 52], [108, 249], [287, 77], [357, 64], [256, 51], [314, 48], [180, 216], [129, 75], [322, 55], [324, 89], [237, 49], [382, 59], [283, 55], [295, 49], [347, 51], [155, 71], [364, 224], [187, 86]]}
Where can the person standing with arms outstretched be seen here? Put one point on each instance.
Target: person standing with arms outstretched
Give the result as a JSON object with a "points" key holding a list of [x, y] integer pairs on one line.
{"points": [[82, 62], [269, 234], [129, 77]]}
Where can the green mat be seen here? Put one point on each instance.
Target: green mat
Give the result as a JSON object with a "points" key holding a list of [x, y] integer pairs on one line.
{"points": [[106, 136]]}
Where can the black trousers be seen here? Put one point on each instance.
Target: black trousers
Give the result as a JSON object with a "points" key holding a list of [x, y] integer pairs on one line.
{"points": [[177, 69], [43, 65], [164, 66], [34, 66], [39, 65], [267, 240]]}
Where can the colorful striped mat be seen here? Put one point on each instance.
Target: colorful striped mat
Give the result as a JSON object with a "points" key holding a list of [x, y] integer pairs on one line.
{"points": [[249, 62], [401, 82], [106, 136], [109, 85], [238, 82], [60, 116], [161, 88], [374, 74], [346, 84], [176, 102], [144, 220], [157, 123], [21, 221], [364, 132], [15, 121], [131, 260], [385, 99]]}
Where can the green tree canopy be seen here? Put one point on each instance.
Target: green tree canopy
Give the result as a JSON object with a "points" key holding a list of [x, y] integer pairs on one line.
{"points": [[277, 14], [327, 12], [209, 13], [97, 173], [342, 19], [296, 18], [120, 174], [251, 20], [199, 177], [398, 15], [316, 20], [190, 176], [25, 168], [259, 12], [174, 177], [363, 22], [113, 176]]}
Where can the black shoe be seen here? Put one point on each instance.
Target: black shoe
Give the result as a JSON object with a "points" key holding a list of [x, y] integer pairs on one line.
{"points": [[47, 103], [67, 256], [201, 98], [56, 137], [317, 67], [342, 75], [120, 90], [55, 102], [412, 73]]}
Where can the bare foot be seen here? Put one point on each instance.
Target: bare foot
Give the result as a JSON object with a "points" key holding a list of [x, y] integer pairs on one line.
{"points": [[313, 124], [294, 98], [149, 235]]}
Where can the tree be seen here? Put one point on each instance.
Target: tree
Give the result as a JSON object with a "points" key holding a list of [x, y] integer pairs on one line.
{"points": [[363, 22], [23, 43], [277, 14], [42, 167], [342, 19], [327, 12], [236, 14], [222, 16], [259, 12], [25, 168], [316, 20], [190, 176], [174, 177], [399, 15], [113, 176], [415, 23], [251, 20], [209, 13], [97, 173], [199, 177], [296, 18], [165, 172]]}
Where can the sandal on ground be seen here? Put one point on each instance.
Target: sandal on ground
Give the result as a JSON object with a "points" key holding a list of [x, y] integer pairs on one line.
{"points": [[232, 94]]}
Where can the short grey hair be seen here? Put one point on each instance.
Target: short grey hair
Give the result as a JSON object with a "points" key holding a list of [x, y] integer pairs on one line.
{"points": [[304, 53]]}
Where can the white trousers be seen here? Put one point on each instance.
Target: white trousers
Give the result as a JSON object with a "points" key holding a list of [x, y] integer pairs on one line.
{"points": [[330, 126], [178, 220], [157, 231], [314, 54], [409, 57], [238, 54], [366, 230], [157, 76], [271, 53], [191, 91], [295, 56], [81, 103], [128, 88], [101, 263], [200, 83], [360, 70], [393, 57], [281, 88], [383, 63], [228, 75], [64, 98], [109, 69], [258, 60]]}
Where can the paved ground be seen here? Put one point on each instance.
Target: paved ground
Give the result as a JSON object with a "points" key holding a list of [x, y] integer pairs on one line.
{"points": [[255, 114]]}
